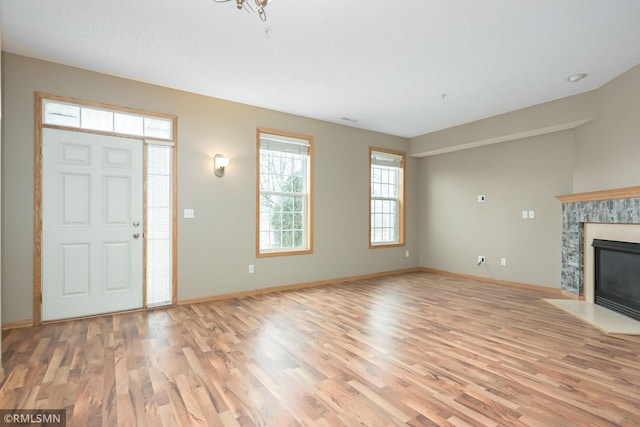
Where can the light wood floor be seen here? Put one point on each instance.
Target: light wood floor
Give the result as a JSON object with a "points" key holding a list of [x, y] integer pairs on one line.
{"points": [[415, 349]]}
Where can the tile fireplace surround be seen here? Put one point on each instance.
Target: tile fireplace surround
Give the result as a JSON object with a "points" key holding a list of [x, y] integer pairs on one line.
{"points": [[619, 206]]}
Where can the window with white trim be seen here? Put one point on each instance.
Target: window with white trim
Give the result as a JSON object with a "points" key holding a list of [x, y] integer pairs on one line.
{"points": [[284, 193], [386, 203]]}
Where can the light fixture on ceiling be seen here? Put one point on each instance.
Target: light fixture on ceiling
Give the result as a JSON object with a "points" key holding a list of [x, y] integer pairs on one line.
{"points": [[254, 6], [576, 77], [220, 163]]}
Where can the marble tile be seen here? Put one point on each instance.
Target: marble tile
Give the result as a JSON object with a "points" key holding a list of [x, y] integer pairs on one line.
{"points": [[600, 317], [574, 215]]}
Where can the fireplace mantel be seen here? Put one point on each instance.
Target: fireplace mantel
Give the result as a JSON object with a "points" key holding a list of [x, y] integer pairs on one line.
{"points": [[592, 196]]}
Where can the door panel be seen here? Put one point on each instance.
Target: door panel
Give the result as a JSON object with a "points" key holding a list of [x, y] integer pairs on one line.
{"points": [[75, 200], [116, 192], [73, 154], [92, 254], [117, 271], [74, 269]]}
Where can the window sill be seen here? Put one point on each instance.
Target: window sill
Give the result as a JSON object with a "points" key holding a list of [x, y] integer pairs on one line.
{"points": [[385, 245], [284, 253]]}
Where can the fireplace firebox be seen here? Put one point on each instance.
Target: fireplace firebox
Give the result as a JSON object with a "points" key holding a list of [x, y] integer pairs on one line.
{"points": [[617, 276]]}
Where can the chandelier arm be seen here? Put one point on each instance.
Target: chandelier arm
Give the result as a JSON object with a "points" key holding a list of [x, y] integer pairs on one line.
{"points": [[251, 6], [255, 5]]}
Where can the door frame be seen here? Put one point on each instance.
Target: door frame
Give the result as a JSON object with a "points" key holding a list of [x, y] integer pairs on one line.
{"points": [[37, 193]]}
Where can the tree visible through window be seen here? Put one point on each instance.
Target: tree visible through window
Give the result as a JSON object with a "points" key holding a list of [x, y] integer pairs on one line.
{"points": [[386, 198], [284, 194]]}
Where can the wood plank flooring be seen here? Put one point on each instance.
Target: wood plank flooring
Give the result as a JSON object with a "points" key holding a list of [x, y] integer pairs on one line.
{"points": [[415, 349]]}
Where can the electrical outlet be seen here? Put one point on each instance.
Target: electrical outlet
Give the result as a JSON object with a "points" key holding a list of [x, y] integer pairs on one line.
{"points": [[503, 262], [481, 259], [251, 269], [482, 198]]}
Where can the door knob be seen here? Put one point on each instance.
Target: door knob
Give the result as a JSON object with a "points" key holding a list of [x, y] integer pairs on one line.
{"points": [[136, 235]]}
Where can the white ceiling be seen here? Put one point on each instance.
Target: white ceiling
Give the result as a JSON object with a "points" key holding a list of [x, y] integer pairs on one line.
{"points": [[385, 64]]}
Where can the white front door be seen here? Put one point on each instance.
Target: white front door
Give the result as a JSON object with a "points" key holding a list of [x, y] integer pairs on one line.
{"points": [[92, 207]]}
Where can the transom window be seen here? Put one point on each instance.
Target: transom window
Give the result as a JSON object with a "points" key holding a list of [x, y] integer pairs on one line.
{"points": [[386, 198], [284, 196], [66, 114]]}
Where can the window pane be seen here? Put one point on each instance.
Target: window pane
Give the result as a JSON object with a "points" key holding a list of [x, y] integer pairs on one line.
{"points": [[56, 113], [129, 124], [159, 225], [91, 118], [157, 128], [158, 273], [282, 172], [287, 239], [377, 220]]}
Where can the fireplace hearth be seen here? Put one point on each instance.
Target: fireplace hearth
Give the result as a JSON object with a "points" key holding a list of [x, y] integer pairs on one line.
{"points": [[617, 276]]}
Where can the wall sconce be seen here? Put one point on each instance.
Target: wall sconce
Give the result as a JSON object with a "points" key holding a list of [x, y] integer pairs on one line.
{"points": [[220, 162]]}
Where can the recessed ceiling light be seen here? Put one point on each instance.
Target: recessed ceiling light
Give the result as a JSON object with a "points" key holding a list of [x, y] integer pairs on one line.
{"points": [[576, 77]]}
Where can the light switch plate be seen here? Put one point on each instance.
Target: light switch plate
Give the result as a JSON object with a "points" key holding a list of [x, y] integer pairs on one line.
{"points": [[525, 214], [189, 213], [532, 214]]}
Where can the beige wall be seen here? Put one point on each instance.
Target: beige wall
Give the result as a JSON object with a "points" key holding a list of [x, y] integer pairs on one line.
{"points": [[514, 176], [607, 152], [216, 247], [599, 151], [554, 116], [519, 160]]}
